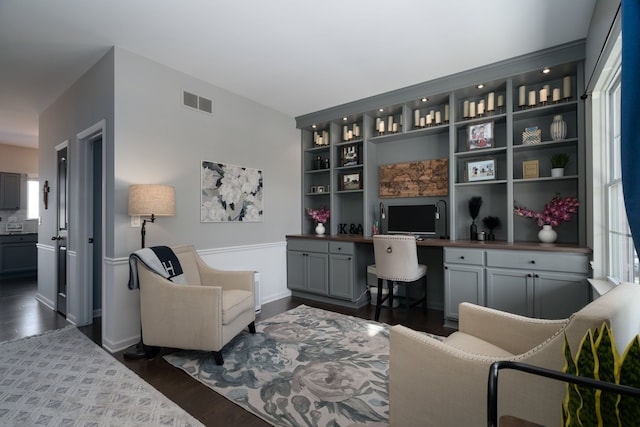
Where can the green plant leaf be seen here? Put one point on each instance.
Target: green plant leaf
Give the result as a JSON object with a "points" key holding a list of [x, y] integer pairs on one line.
{"points": [[573, 401], [607, 361], [586, 363], [629, 407]]}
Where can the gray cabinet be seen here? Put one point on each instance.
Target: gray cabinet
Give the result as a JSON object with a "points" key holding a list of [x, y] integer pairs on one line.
{"points": [[389, 129], [535, 284], [9, 191], [18, 254], [308, 266], [330, 271], [463, 280]]}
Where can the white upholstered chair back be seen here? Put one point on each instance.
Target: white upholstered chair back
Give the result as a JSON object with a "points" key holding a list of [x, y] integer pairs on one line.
{"points": [[397, 258]]}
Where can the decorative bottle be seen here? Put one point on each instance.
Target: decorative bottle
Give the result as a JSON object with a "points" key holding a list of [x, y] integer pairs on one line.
{"points": [[558, 128], [473, 230]]}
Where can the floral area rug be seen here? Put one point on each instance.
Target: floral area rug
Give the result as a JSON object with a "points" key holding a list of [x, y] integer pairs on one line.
{"points": [[305, 367]]}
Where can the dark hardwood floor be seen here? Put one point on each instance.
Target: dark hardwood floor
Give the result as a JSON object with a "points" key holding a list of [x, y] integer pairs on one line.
{"points": [[21, 315]]}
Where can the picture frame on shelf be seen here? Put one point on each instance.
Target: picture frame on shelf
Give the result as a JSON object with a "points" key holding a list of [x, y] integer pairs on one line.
{"points": [[480, 169], [480, 135], [530, 169], [349, 155], [351, 181]]}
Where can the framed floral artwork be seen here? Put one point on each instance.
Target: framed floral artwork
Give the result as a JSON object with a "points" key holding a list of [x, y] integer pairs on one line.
{"points": [[230, 193]]}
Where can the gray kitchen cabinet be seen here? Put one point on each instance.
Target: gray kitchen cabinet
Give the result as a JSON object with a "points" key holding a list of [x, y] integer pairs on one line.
{"points": [[18, 254], [9, 191]]}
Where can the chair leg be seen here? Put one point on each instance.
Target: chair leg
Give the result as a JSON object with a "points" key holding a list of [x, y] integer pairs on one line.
{"points": [[425, 294], [391, 284], [217, 356], [379, 302], [252, 327]]}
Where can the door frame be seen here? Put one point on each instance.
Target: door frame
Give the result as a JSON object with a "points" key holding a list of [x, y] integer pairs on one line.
{"points": [[82, 247], [63, 145]]}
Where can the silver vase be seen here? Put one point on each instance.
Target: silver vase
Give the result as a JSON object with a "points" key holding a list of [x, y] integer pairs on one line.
{"points": [[558, 128]]}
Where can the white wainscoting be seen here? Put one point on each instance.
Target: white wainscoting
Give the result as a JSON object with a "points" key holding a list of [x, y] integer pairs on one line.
{"points": [[46, 275], [121, 306]]}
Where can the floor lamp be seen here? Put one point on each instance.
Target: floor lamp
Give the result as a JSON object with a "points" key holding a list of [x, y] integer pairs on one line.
{"points": [[150, 201]]}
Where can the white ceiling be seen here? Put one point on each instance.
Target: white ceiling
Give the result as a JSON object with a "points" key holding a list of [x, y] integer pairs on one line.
{"points": [[296, 56]]}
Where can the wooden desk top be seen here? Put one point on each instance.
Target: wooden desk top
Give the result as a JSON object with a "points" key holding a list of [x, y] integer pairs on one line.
{"points": [[444, 243]]}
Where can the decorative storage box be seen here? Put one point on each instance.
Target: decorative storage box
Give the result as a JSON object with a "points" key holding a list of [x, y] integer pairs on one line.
{"points": [[531, 136]]}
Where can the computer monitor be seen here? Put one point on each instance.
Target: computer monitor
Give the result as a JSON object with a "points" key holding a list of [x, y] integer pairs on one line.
{"points": [[418, 220]]}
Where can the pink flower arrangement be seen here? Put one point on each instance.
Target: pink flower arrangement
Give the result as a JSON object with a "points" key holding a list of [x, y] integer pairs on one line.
{"points": [[555, 212], [319, 215]]}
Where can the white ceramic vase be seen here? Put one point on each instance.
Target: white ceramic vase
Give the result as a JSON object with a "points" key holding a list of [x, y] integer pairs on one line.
{"points": [[547, 234], [558, 128], [320, 228], [557, 172]]}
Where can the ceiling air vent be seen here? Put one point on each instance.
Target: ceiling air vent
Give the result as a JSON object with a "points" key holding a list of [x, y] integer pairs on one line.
{"points": [[192, 100]]}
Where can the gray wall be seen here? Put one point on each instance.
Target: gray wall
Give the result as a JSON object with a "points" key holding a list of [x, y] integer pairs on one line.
{"points": [[601, 21], [157, 140]]}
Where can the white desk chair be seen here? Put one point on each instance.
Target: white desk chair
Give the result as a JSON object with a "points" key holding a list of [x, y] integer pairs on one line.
{"points": [[397, 262]]}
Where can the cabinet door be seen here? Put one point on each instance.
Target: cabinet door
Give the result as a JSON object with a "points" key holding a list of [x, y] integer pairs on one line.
{"points": [[510, 290], [19, 257], [317, 273], [296, 278], [9, 191], [341, 270], [558, 295], [462, 283]]}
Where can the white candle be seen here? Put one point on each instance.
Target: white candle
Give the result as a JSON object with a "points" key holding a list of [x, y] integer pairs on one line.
{"points": [[438, 117], [325, 137], [395, 127], [532, 98], [521, 96], [422, 122], [566, 87], [465, 109], [556, 94], [345, 133], [446, 113], [416, 117], [378, 120], [381, 127], [315, 138], [429, 119], [472, 109], [490, 101], [390, 123], [543, 95], [319, 140], [481, 107], [500, 101], [433, 115], [349, 135]]}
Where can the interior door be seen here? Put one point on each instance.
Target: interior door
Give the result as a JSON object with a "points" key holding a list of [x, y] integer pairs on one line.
{"points": [[62, 204]]}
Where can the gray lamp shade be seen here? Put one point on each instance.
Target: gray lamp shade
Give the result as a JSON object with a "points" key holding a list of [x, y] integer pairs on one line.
{"points": [[151, 199]]}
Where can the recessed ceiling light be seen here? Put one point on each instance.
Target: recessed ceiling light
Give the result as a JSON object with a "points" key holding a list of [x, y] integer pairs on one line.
{"points": [[424, 99], [381, 110], [480, 86], [344, 119], [546, 70], [314, 126]]}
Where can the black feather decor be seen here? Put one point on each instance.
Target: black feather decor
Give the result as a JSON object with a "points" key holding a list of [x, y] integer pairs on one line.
{"points": [[491, 222], [474, 206]]}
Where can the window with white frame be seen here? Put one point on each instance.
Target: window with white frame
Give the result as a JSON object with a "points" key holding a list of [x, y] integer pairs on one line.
{"points": [[620, 256], [33, 199]]}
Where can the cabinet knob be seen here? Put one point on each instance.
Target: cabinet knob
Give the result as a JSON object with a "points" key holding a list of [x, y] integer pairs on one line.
{"points": [[536, 276], [529, 275], [461, 256], [446, 268], [533, 261]]}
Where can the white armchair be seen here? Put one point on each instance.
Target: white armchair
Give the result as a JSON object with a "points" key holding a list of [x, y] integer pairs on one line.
{"points": [[205, 314], [444, 383]]}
